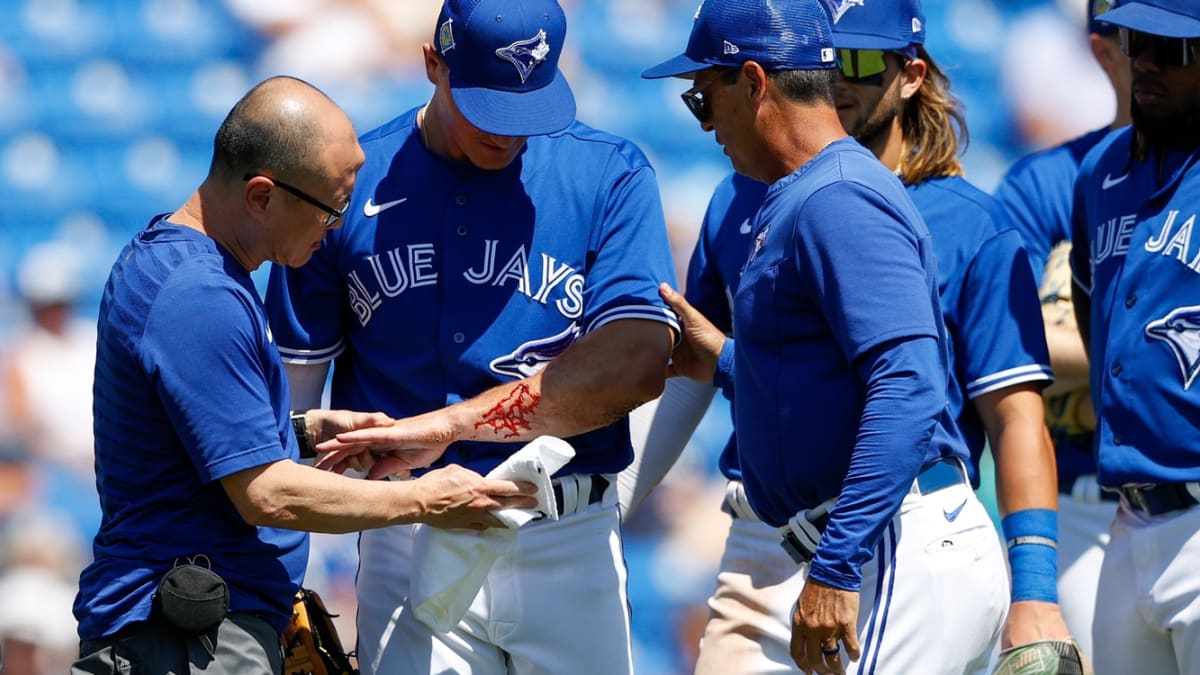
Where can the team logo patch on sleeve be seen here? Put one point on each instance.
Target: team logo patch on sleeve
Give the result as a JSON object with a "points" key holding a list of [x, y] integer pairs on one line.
{"points": [[446, 36], [526, 54], [1180, 329], [532, 356]]}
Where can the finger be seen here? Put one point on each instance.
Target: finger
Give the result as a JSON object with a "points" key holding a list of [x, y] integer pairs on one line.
{"points": [[850, 641], [504, 488], [674, 299], [832, 655], [516, 502], [390, 465]]}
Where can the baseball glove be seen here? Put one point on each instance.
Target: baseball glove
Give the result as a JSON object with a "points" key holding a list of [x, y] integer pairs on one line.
{"points": [[1045, 657], [310, 641]]}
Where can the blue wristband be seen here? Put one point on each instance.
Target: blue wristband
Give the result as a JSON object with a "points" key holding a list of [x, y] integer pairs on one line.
{"points": [[1032, 536]]}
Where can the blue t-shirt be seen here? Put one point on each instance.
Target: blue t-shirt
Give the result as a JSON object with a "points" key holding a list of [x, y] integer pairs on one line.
{"points": [[189, 389], [1135, 257], [1037, 194], [840, 367], [447, 280]]}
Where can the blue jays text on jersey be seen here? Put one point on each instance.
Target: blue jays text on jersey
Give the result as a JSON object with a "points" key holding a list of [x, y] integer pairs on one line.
{"points": [[447, 280], [387, 275], [1135, 257]]}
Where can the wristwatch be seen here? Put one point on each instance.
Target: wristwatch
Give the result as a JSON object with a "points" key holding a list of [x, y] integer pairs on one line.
{"points": [[301, 428]]}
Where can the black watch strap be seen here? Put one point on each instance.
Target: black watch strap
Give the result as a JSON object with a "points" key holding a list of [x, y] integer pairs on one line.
{"points": [[301, 428]]}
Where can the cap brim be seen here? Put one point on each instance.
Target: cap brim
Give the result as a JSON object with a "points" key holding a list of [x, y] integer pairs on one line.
{"points": [[862, 41], [507, 113], [1153, 20], [680, 65]]}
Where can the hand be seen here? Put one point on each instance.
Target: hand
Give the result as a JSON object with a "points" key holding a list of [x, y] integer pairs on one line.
{"points": [[1030, 621], [325, 424], [456, 498], [410, 443], [701, 343], [823, 616]]}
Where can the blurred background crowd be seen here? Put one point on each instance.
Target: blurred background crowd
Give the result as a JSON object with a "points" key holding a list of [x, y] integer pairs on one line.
{"points": [[107, 112]]}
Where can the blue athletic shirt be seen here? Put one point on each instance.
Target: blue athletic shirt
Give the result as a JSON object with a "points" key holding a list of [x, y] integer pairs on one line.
{"points": [[1135, 258], [189, 389], [447, 280], [988, 301], [1037, 194], [840, 365]]}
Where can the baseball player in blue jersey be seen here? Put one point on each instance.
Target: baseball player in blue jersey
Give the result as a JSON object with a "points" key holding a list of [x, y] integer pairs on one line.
{"points": [[1036, 194], [844, 437], [1135, 266], [894, 99], [195, 453], [496, 280]]}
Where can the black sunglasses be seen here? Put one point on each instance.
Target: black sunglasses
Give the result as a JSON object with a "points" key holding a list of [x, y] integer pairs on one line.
{"points": [[695, 101], [333, 214], [1170, 52]]}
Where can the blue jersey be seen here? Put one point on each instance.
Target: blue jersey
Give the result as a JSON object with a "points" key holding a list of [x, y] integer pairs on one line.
{"points": [[1037, 191], [988, 301], [447, 280], [189, 389], [1037, 194], [840, 366], [1135, 258], [716, 265]]}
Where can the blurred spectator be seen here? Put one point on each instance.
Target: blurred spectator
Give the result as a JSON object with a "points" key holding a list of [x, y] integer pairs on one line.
{"points": [[48, 382], [39, 563], [350, 42]]}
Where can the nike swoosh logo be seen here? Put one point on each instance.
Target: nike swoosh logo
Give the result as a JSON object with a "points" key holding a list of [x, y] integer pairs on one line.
{"points": [[371, 209], [952, 516], [1109, 181], [745, 228]]}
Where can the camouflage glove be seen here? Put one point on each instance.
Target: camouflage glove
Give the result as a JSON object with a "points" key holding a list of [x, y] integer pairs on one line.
{"points": [[1045, 657]]}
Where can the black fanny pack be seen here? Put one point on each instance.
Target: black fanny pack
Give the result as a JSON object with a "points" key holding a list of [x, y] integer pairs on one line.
{"points": [[192, 598]]}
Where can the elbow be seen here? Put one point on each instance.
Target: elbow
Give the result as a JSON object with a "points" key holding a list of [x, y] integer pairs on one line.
{"points": [[259, 499]]}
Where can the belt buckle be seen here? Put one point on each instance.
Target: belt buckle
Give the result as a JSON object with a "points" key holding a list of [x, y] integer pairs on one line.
{"points": [[795, 550], [1137, 498]]}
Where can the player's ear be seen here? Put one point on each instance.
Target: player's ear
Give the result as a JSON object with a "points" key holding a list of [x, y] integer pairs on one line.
{"points": [[912, 76], [433, 63], [757, 79]]}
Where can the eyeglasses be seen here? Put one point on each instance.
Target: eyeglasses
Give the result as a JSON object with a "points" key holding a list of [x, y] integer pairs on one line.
{"points": [[333, 214], [697, 102], [1169, 52], [865, 66]]}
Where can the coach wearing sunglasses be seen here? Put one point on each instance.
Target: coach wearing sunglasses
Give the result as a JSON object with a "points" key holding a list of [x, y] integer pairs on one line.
{"points": [[850, 457], [1136, 266], [894, 99]]}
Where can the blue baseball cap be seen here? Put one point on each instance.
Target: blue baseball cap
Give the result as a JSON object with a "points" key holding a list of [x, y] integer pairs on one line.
{"points": [[789, 35], [879, 24], [503, 59], [1095, 9], [1166, 18]]}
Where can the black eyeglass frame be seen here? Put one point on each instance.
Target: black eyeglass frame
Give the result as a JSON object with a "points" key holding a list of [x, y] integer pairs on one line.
{"points": [[697, 104], [1168, 51], [332, 214]]}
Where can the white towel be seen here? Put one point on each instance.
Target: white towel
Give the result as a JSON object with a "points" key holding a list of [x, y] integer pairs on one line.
{"points": [[449, 566]]}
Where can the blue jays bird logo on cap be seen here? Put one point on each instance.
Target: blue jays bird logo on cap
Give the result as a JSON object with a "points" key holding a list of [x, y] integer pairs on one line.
{"points": [[529, 358], [1180, 329], [844, 6], [526, 54]]}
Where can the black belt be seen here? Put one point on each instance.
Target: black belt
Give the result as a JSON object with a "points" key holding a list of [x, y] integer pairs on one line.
{"points": [[1158, 499], [595, 495]]}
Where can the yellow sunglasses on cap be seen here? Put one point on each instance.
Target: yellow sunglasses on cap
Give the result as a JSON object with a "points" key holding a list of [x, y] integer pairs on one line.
{"points": [[861, 64]]}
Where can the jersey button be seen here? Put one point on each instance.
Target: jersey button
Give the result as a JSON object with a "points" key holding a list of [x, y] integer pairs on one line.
{"points": [[1131, 300], [461, 200], [1116, 370], [462, 230], [1118, 439], [459, 338]]}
